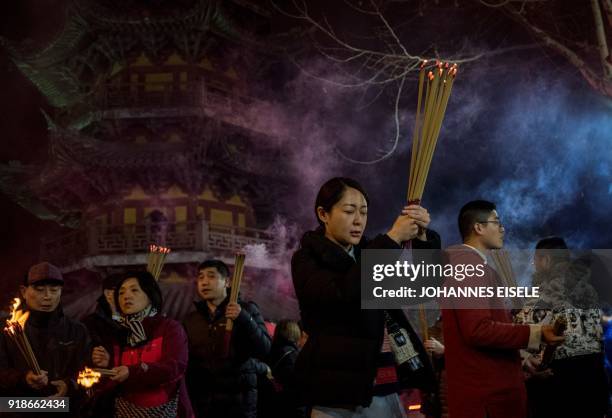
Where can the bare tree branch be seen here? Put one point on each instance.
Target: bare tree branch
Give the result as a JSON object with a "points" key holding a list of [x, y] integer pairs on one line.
{"points": [[607, 5], [604, 53], [501, 4], [380, 68], [395, 141], [598, 81]]}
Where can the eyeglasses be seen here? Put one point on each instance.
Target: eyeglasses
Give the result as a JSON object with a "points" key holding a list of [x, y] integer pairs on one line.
{"points": [[499, 224]]}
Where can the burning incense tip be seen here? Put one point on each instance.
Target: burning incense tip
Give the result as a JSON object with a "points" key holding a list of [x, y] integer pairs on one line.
{"points": [[15, 330], [156, 259], [88, 377]]}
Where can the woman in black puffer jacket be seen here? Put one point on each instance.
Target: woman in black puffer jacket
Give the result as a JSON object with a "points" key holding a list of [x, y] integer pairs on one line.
{"points": [[344, 355]]}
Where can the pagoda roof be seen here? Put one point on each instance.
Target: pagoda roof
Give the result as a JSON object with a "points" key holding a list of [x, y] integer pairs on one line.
{"points": [[69, 147], [83, 170], [95, 37], [12, 182]]}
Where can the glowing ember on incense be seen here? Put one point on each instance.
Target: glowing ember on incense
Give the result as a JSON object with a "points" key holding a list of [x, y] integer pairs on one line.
{"points": [[15, 330]]}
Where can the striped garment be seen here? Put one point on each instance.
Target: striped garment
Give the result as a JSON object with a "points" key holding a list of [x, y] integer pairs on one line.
{"points": [[126, 409], [386, 381]]}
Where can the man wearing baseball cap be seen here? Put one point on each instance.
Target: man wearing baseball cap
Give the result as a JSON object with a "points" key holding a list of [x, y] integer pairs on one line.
{"points": [[60, 344]]}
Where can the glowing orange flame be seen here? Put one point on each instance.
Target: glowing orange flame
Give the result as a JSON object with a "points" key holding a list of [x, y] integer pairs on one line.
{"points": [[16, 303], [18, 317], [88, 377]]}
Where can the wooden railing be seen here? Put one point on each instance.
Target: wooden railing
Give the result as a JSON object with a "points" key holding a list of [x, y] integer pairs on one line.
{"points": [[134, 239], [168, 94]]}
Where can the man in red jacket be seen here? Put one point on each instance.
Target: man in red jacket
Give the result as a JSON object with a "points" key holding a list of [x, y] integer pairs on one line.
{"points": [[482, 344]]}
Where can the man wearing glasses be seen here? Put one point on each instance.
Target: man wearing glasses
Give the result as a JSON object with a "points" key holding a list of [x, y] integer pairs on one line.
{"points": [[481, 342]]}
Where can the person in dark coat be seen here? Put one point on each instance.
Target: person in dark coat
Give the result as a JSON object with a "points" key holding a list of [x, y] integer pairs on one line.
{"points": [[221, 383], [344, 369], [104, 329], [150, 361], [283, 356], [60, 345], [103, 324], [577, 367]]}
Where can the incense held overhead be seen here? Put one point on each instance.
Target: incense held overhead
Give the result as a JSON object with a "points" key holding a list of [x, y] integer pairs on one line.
{"points": [[429, 117]]}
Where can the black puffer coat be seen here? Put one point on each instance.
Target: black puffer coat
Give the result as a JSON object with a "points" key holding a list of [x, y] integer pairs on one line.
{"points": [[283, 356], [337, 366], [102, 329]]}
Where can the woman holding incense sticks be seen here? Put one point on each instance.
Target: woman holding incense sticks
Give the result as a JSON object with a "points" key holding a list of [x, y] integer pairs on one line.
{"points": [[150, 359], [349, 366]]}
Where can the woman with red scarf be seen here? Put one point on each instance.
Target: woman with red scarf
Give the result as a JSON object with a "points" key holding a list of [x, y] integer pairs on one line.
{"points": [[150, 359]]}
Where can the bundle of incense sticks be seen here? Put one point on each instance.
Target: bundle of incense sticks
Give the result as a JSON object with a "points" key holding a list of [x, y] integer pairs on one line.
{"points": [[429, 116], [88, 377], [235, 289], [504, 267], [104, 372], [156, 259], [15, 330]]}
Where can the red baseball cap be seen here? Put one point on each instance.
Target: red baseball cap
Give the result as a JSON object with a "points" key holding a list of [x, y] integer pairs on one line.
{"points": [[44, 272]]}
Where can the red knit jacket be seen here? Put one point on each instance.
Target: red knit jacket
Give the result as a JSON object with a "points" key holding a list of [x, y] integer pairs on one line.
{"points": [[481, 353]]}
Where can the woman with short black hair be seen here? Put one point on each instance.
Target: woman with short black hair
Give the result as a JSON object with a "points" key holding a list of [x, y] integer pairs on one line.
{"points": [[344, 370], [150, 359]]}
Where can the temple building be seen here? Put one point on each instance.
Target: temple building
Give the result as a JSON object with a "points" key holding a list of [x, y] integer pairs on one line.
{"points": [[154, 138]]}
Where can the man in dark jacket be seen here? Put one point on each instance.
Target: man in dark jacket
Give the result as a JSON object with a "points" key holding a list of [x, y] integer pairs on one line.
{"points": [[60, 344], [223, 384]]}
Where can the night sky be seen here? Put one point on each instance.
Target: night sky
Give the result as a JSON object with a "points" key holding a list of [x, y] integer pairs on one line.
{"points": [[523, 128]]}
